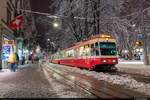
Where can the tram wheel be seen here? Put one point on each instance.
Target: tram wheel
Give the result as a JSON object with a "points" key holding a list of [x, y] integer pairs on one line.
{"points": [[114, 69]]}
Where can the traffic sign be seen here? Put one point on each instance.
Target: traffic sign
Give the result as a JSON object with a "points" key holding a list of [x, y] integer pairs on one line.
{"points": [[142, 36]]}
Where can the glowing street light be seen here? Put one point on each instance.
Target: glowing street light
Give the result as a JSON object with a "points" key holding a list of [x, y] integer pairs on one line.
{"points": [[38, 49], [48, 39], [55, 24], [134, 25]]}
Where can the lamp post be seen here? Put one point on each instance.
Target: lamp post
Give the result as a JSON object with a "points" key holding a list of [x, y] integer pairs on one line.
{"points": [[144, 35], [55, 24], [134, 25]]}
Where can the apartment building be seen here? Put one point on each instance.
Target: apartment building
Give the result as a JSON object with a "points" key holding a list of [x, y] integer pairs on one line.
{"points": [[9, 9], [7, 13]]}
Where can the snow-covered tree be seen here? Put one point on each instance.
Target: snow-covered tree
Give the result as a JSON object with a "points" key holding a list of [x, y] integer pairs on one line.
{"points": [[83, 19]]}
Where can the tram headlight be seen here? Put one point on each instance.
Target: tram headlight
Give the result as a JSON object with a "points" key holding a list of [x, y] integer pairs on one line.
{"points": [[104, 61], [114, 61]]}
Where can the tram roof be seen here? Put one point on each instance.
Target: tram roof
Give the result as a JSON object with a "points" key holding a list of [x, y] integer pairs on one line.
{"points": [[85, 42], [88, 40]]}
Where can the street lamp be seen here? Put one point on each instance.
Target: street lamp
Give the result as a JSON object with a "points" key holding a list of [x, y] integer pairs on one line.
{"points": [[48, 39], [133, 25], [55, 24]]}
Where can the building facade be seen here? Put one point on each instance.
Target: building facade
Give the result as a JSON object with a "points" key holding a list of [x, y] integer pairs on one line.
{"points": [[10, 10], [28, 30]]}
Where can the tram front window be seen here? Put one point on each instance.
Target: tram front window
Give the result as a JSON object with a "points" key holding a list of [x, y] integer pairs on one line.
{"points": [[108, 48]]}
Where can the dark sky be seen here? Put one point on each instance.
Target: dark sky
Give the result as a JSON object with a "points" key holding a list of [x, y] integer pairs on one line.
{"points": [[40, 5]]}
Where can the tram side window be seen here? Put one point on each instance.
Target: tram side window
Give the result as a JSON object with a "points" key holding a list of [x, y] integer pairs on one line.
{"points": [[66, 53], [75, 53], [97, 49], [63, 55], [81, 51], [71, 53], [57, 56], [86, 50], [92, 50], [60, 55], [54, 56]]}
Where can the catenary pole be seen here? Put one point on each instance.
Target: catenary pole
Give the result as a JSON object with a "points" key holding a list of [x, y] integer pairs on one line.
{"points": [[144, 35]]}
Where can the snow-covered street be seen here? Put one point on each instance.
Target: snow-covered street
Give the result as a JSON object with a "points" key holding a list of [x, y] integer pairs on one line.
{"points": [[122, 80], [49, 80]]}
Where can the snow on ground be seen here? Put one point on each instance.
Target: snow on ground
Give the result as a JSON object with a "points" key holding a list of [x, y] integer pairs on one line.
{"points": [[62, 90], [143, 72], [134, 69], [123, 80], [5, 88], [5, 70], [121, 61], [136, 62], [133, 66]]}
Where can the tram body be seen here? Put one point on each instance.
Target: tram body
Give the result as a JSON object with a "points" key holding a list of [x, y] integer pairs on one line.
{"points": [[95, 53]]}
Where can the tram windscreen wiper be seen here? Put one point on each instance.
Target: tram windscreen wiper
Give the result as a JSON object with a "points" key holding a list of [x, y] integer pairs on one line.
{"points": [[108, 48]]}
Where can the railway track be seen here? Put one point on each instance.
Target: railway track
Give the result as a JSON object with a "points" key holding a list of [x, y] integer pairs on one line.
{"points": [[97, 89], [137, 77], [68, 82]]}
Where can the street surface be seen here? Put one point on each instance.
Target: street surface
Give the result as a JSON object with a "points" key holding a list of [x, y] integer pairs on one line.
{"points": [[28, 82], [48, 80]]}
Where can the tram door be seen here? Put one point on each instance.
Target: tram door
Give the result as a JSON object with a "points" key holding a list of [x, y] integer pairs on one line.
{"points": [[76, 56]]}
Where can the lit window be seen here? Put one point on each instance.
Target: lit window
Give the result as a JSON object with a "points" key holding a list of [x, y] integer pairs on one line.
{"points": [[86, 50], [92, 50]]}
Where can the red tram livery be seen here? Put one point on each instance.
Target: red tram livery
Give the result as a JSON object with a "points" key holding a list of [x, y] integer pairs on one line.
{"points": [[95, 53]]}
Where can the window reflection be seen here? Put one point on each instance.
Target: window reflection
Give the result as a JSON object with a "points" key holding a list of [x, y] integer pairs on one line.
{"points": [[108, 48], [92, 50], [96, 49]]}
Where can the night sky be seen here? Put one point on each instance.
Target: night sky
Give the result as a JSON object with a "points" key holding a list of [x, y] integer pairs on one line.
{"points": [[40, 5]]}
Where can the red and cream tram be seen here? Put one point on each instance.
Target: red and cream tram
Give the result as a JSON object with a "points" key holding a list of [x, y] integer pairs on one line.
{"points": [[95, 53]]}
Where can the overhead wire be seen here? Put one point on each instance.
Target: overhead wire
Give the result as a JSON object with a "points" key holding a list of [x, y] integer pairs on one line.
{"points": [[76, 17]]}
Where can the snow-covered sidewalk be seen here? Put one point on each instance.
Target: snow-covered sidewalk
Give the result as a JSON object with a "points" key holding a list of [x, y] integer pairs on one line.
{"points": [[134, 68], [122, 61], [19, 67]]}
